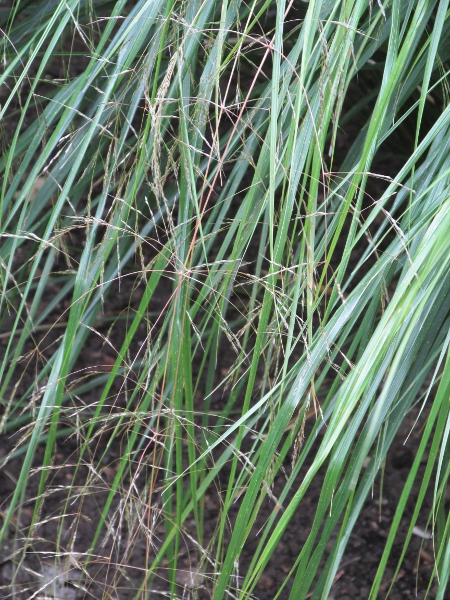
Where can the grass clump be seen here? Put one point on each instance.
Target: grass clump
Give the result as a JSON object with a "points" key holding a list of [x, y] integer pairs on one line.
{"points": [[225, 280]]}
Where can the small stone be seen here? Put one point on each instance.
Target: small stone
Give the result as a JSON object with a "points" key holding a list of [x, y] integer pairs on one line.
{"points": [[190, 579], [266, 581]]}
